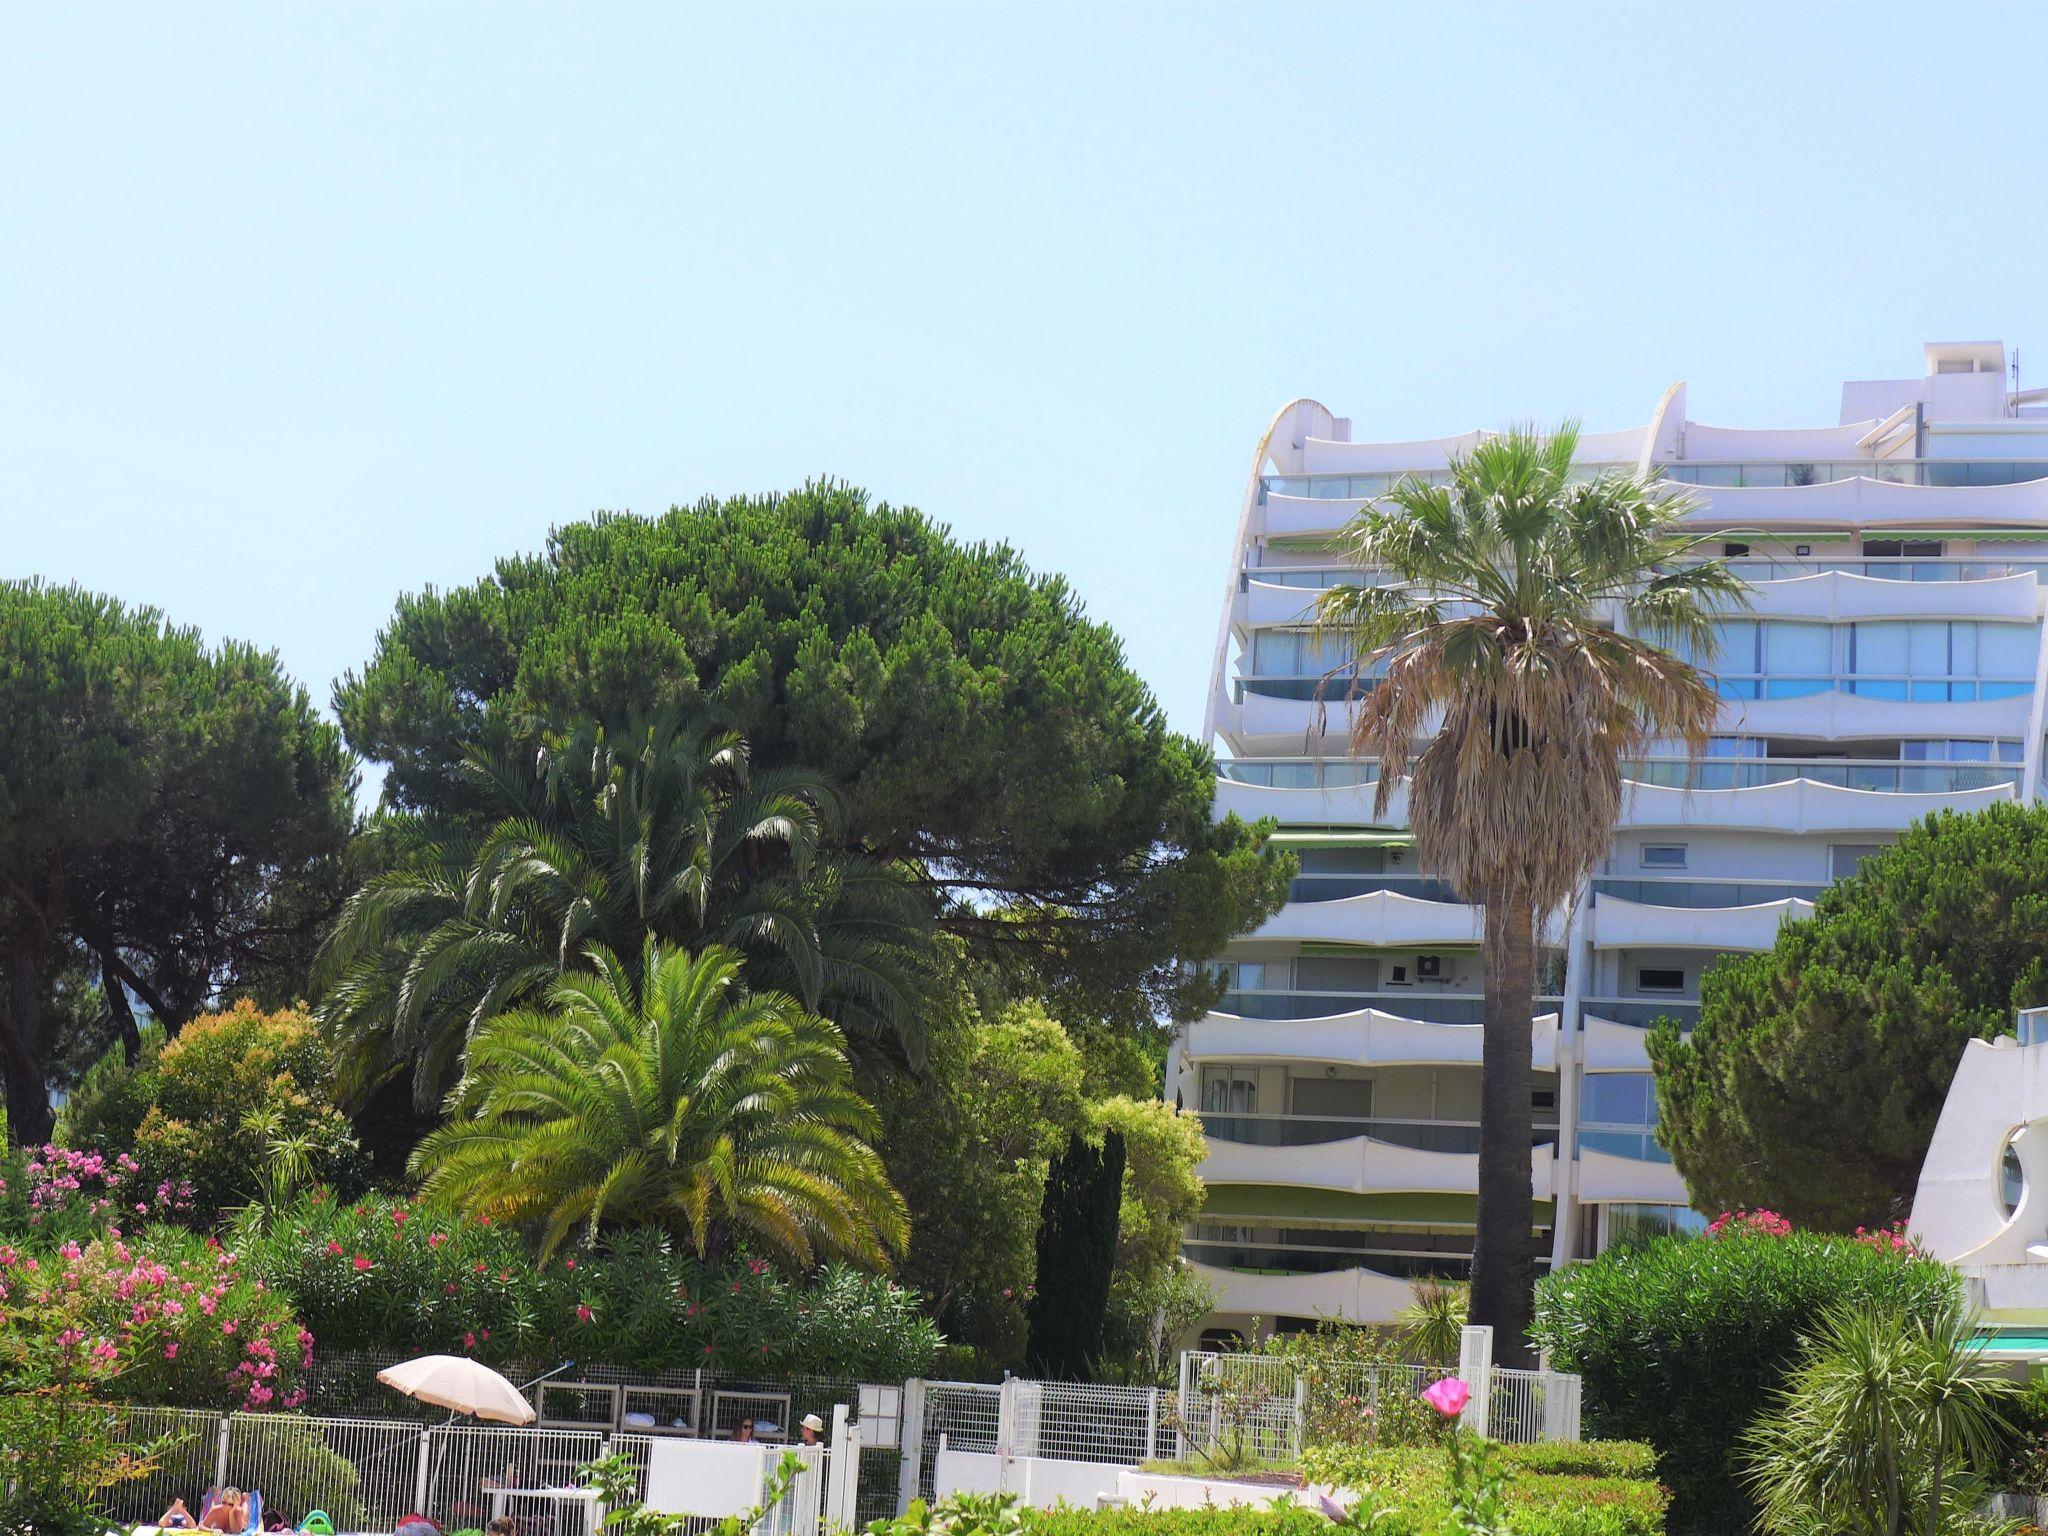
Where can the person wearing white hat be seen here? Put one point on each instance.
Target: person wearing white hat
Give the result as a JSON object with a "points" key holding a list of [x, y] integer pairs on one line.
{"points": [[811, 1427]]}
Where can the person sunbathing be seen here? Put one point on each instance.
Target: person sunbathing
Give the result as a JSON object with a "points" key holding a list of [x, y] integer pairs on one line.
{"points": [[230, 1513], [177, 1517]]}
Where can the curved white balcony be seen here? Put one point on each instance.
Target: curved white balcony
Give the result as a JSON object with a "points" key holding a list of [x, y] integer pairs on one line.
{"points": [[1347, 1295], [1366, 1038], [1798, 805], [1329, 805], [1263, 602], [1833, 715], [1606, 1045], [1381, 920], [1606, 1176], [1619, 924], [1844, 595], [1325, 456], [1361, 1165], [1866, 503], [1295, 515]]}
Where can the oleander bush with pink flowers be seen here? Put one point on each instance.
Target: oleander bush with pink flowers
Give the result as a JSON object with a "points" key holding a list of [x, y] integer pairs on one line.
{"points": [[162, 1316], [381, 1274], [1683, 1342]]}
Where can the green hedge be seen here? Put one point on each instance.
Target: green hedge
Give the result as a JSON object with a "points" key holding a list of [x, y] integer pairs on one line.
{"points": [[1683, 1341], [1596, 1488], [1600, 1488]]}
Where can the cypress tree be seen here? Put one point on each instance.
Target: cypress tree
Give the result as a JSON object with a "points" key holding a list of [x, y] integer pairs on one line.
{"points": [[1077, 1230]]}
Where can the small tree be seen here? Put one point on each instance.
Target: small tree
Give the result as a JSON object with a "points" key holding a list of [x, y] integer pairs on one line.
{"points": [[1683, 1342], [1813, 1080], [1076, 1257], [1888, 1425]]}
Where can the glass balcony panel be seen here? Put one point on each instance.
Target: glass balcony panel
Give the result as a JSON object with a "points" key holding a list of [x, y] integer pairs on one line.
{"points": [[1642, 1012], [1424, 1007], [1455, 1136], [1623, 1141], [1338, 887], [1698, 894]]}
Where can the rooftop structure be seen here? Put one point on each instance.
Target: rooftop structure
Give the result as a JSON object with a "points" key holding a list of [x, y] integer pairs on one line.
{"points": [[1891, 665]]}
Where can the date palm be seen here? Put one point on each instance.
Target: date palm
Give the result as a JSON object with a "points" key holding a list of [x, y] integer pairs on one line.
{"points": [[663, 1093], [651, 827], [1520, 641]]}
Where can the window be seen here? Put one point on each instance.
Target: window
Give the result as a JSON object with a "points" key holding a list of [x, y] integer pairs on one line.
{"points": [[1931, 659], [1254, 975], [1663, 856], [1845, 858], [1733, 550], [1910, 549], [1229, 1091], [1619, 1098], [1655, 978]]}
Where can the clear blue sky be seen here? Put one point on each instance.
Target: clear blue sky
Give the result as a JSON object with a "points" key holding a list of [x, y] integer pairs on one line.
{"points": [[304, 306]]}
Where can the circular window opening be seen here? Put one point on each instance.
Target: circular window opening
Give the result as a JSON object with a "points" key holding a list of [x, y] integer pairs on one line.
{"points": [[2012, 1179]]}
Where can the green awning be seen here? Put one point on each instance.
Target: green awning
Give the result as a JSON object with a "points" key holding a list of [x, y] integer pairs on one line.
{"points": [[1326, 837], [1302, 1206]]}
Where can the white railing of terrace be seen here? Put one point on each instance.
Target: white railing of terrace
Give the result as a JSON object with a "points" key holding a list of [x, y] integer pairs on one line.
{"points": [[367, 1471]]}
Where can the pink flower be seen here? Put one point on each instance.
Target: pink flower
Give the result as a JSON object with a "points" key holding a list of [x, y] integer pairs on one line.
{"points": [[1448, 1397], [436, 1239], [469, 1341], [170, 1351], [583, 1313], [361, 1263]]}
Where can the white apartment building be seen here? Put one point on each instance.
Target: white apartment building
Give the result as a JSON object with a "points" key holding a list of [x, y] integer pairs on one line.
{"points": [[1891, 666]]}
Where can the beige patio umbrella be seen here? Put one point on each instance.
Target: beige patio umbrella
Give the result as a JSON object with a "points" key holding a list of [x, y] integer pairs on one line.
{"points": [[460, 1386]]}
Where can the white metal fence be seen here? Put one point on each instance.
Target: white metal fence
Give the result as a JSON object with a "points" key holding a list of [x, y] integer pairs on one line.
{"points": [[366, 1472]]}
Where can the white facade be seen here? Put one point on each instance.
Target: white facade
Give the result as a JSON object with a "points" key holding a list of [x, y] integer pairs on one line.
{"points": [[1891, 666]]}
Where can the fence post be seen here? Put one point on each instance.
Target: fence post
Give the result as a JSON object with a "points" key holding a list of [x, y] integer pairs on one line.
{"points": [[845, 1460], [1006, 1416], [1180, 1411], [1151, 1423], [419, 1486], [220, 1452], [910, 1441], [1300, 1415], [1475, 1369]]}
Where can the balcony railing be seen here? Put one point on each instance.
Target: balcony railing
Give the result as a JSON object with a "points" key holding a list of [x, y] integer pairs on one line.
{"points": [[1334, 687], [1623, 1141], [1938, 689], [1299, 772], [1885, 568], [1709, 474], [1886, 775], [1727, 475], [1338, 887], [1749, 567], [1425, 1007], [1459, 1136], [1704, 893], [1881, 774], [1642, 1012], [1293, 1259]]}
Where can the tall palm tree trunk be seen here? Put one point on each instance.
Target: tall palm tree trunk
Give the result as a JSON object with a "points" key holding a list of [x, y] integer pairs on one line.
{"points": [[1504, 1249]]}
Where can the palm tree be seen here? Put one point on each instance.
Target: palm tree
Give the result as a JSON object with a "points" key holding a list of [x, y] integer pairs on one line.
{"points": [[654, 826], [1529, 610], [663, 1093], [1888, 1424]]}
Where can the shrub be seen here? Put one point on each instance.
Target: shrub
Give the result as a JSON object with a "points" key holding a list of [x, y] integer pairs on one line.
{"points": [[1597, 1488], [186, 1324], [237, 1103], [379, 1274], [1682, 1342]]}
